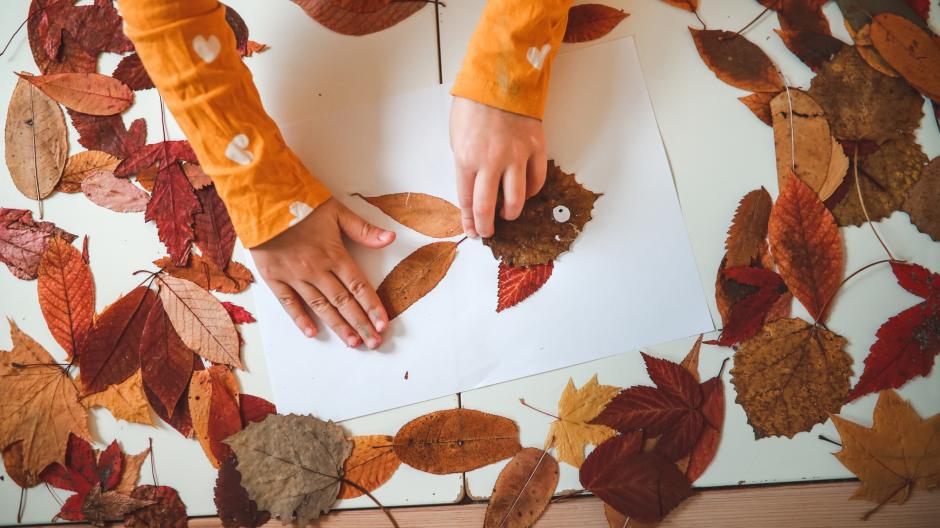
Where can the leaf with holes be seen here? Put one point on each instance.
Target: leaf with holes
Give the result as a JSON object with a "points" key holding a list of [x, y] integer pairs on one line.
{"points": [[426, 214], [415, 276], [737, 61], [66, 295], [36, 141], [372, 463], [359, 17], [588, 22], [89, 93], [518, 283], [200, 320], [23, 241], [523, 490]]}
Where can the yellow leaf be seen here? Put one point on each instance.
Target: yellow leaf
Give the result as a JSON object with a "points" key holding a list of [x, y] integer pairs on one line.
{"points": [[126, 400], [572, 432]]}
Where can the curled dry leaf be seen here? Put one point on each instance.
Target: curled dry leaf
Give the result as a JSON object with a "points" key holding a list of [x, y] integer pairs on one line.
{"points": [[355, 18], [235, 507], [790, 377], [66, 294], [518, 283], [213, 402], [291, 465], [234, 279], [456, 440], [200, 320], [125, 400], [372, 463], [415, 276], [165, 509], [737, 61], [116, 194], [89, 93], [166, 364], [591, 21], [36, 141], [80, 166], [922, 200], [23, 241], [910, 50], [572, 432], [522, 490], [426, 214]]}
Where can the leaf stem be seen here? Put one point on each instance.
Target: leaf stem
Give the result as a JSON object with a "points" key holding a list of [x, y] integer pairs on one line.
{"points": [[385, 510], [758, 17], [702, 22], [523, 402], [824, 439], [841, 284], [569, 495], [861, 201]]}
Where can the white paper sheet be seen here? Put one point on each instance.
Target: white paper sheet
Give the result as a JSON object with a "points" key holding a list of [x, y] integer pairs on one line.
{"points": [[629, 281]]}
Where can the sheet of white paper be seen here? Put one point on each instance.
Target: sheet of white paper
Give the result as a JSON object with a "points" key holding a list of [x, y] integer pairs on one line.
{"points": [[629, 280]]}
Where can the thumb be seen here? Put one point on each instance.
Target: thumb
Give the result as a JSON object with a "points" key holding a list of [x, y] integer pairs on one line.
{"points": [[362, 232]]}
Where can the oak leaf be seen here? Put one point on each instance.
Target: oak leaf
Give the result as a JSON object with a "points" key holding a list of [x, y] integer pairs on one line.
{"points": [[66, 294], [166, 364], [342, 18], [254, 408], [116, 194], [36, 141], [572, 431], [89, 93], [23, 241], [200, 320], [426, 214], [921, 203], [109, 134], [372, 463], [518, 283], [213, 402], [523, 490], [790, 376], [166, 509], [233, 279], [235, 507], [737, 61], [214, 232], [291, 465], [415, 276], [456, 440], [125, 400], [910, 50], [80, 166], [591, 21], [131, 72]]}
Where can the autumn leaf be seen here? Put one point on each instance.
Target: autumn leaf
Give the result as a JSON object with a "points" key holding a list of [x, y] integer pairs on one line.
{"points": [[131, 472], [522, 490], [165, 510], [898, 454], [89, 93], [235, 507], [234, 279], [80, 166], [686, 5], [116, 194], [178, 418], [23, 241], [814, 49], [238, 314], [254, 408], [910, 50], [166, 364], [66, 294], [200, 320], [112, 351], [426, 214], [196, 176], [36, 141], [101, 506], [214, 232], [790, 376], [213, 402], [759, 104], [255, 47], [867, 51], [291, 465], [131, 72], [908, 342], [737, 61], [713, 410], [748, 231], [372, 463], [858, 13], [749, 313], [518, 283], [65, 37], [125, 400], [800, 15], [921, 203], [591, 21], [572, 432], [456, 440], [343, 17], [415, 276], [109, 134]]}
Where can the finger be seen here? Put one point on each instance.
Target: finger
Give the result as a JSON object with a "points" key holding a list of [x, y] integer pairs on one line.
{"points": [[514, 192], [465, 178], [485, 189], [535, 173], [294, 307], [362, 232], [326, 312], [355, 282], [344, 302]]}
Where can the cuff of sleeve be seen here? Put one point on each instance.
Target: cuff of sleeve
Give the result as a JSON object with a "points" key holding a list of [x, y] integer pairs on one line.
{"points": [[528, 102], [151, 14]]}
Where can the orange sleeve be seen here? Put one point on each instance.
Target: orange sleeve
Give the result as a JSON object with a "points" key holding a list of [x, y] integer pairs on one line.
{"points": [[189, 51], [509, 58]]}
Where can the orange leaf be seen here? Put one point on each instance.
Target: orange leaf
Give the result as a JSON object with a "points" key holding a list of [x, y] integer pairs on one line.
{"points": [[748, 229], [66, 294], [688, 5], [354, 18], [80, 166], [759, 104], [88, 93], [213, 402], [426, 214], [591, 21], [202, 271], [807, 246], [517, 283], [909, 50], [372, 462], [415, 276], [126, 400], [523, 490], [737, 61]]}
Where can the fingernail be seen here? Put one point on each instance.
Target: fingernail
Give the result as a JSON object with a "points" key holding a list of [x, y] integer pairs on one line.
{"points": [[385, 236], [373, 343], [309, 332], [352, 341], [379, 325]]}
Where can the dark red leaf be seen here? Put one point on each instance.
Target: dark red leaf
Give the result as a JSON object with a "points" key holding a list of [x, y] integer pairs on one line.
{"points": [[168, 512], [238, 314], [72, 508], [224, 417], [679, 440], [108, 133], [917, 279], [254, 408], [750, 313], [921, 7], [80, 472], [131, 72], [68, 38], [163, 155], [235, 507], [239, 28], [517, 283], [166, 364], [647, 408], [713, 409], [800, 15], [172, 207], [215, 234], [814, 49], [674, 379], [110, 466], [23, 241]]}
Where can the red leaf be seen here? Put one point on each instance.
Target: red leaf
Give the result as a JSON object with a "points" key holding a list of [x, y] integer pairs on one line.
{"points": [[109, 134], [921, 7], [917, 279], [166, 364], [235, 507], [23, 241], [172, 207], [215, 235], [168, 512], [254, 408], [674, 379], [647, 408], [181, 419], [750, 313], [65, 37], [72, 508], [163, 154], [131, 72], [680, 439], [591, 21], [517, 283], [713, 409], [110, 466], [239, 315], [342, 17], [224, 416], [239, 28], [80, 472]]}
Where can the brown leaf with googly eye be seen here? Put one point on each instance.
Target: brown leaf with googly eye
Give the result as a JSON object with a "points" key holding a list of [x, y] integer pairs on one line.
{"points": [[550, 222]]}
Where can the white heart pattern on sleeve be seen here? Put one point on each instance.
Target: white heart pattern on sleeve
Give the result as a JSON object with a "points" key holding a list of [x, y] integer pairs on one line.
{"points": [[537, 56], [207, 48], [300, 211], [237, 150]]}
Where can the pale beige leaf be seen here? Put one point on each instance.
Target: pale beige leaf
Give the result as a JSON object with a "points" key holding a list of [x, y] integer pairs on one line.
{"points": [[200, 320], [79, 166], [126, 400], [37, 144], [804, 143]]}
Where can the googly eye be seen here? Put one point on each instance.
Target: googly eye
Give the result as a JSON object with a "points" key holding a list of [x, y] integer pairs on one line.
{"points": [[561, 214]]}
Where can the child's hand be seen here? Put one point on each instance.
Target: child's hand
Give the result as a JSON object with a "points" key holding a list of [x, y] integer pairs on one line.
{"points": [[492, 146], [308, 268]]}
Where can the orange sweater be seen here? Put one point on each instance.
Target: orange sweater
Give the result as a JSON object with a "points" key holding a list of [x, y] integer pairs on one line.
{"points": [[189, 52]]}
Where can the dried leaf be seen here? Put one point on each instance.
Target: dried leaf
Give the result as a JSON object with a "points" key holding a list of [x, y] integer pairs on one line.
{"points": [[790, 376], [748, 314], [178, 418], [165, 509], [116, 194], [372, 463], [126, 401], [342, 18], [522, 490], [101, 506], [112, 351], [131, 72], [858, 13], [80, 166], [172, 207], [66, 294], [713, 410], [235, 278], [214, 232], [200, 320], [456, 440], [131, 472], [910, 50], [800, 15], [39, 405], [687, 5], [759, 104], [254, 408], [36, 141], [109, 134], [814, 49], [80, 471], [737, 61], [23, 241], [591, 21], [255, 47], [748, 231], [196, 176], [291, 465], [89, 93], [572, 432], [415, 276], [922, 200], [518, 283], [867, 50], [213, 401], [426, 214], [235, 507], [238, 314], [65, 37], [166, 364], [550, 222]]}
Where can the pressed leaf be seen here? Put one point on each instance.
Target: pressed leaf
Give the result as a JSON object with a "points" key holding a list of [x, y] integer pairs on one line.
{"points": [[89, 93], [213, 402], [131, 472], [910, 50], [749, 313], [214, 232], [759, 104], [116, 194], [921, 203], [426, 214], [800, 15], [180, 417], [591, 21], [166, 364], [65, 37], [254, 408], [339, 17], [108, 134], [23, 241], [522, 490], [518, 283], [687, 5], [234, 279], [36, 141], [372, 463], [238, 314], [415, 276], [235, 507], [748, 229], [125, 400], [713, 410], [737, 61], [196, 176], [814, 49], [867, 50], [172, 207], [456, 440], [131, 72], [66, 294], [165, 508], [80, 166], [858, 13], [572, 432], [200, 320]]}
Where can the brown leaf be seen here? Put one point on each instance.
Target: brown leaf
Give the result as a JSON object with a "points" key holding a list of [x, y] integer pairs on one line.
{"points": [[89, 93], [131, 72], [814, 49], [116, 194], [456, 440], [204, 272], [759, 104], [522, 490], [166, 510], [426, 214], [166, 364], [591, 21], [687, 5], [910, 50], [131, 472], [109, 134], [200, 320], [235, 507], [415, 276], [126, 401], [372, 463], [922, 200], [36, 141], [343, 17], [748, 231], [213, 402], [737, 61], [100, 506], [66, 294], [867, 50], [790, 377], [80, 166]]}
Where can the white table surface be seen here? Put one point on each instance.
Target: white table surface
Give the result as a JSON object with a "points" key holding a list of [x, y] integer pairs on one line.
{"points": [[718, 152]]}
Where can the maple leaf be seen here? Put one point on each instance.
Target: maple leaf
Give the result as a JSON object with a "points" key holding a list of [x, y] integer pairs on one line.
{"points": [[125, 400], [898, 454], [372, 463], [426, 214], [116, 194], [89, 93], [66, 294], [36, 141], [907, 342], [23, 241], [750, 312], [80, 166], [235, 278], [64, 37], [39, 405], [910, 50], [518, 283], [235, 507], [523, 490], [456, 440], [109, 134], [165, 508], [367, 17], [415, 276], [291, 465], [131, 72], [737, 61], [591, 21], [921, 203], [214, 232], [571, 433], [166, 364], [200, 320], [213, 402]]}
